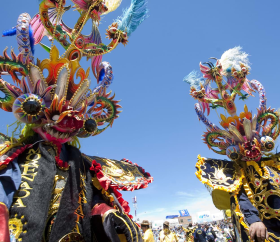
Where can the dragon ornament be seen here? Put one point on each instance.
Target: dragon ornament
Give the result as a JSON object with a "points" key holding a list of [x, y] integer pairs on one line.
{"points": [[252, 172], [57, 193]]}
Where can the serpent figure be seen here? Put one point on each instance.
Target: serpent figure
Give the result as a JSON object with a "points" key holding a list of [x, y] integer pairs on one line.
{"points": [[13, 65], [263, 118], [210, 139], [83, 43], [11, 93]]}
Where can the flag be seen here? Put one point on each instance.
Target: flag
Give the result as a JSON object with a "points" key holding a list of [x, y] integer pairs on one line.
{"points": [[171, 216], [184, 213]]}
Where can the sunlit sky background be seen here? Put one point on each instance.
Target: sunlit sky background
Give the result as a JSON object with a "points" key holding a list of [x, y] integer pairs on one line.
{"points": [[158, 128]]}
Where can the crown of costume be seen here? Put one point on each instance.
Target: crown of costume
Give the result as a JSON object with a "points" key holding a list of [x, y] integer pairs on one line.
{"points": [[242, 136], [55, 103]]}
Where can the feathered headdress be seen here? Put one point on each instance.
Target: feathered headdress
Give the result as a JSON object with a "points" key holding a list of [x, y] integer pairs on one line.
{"points": [[244, 136], [55, 103]]}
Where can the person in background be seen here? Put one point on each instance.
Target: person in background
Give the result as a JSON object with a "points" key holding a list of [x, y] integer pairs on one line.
{"points": [[210, 234], [166, 235], [199, 234], [148, 233]]}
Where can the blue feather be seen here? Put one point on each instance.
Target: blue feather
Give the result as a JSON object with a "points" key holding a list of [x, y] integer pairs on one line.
{"points": [[10, 32], [133, 16], [32, 40], [194, 79]]}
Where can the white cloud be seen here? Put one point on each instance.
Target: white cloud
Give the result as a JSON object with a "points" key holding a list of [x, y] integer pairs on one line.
{"points": [[185, 194], [197, 201], [151, 213]]}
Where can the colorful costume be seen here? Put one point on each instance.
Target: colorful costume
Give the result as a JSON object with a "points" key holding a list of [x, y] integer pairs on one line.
{"points": [[167, 236], [54, 192], [249, 182], [189, 233]]}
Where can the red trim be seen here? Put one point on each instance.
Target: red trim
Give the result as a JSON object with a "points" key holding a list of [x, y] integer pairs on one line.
{"points": [[146, 174], [14, 155], [60, 163], [106, 183], [100, 209]]}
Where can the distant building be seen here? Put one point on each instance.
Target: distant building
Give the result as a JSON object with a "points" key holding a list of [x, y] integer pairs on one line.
{"points": [[185, 220]]}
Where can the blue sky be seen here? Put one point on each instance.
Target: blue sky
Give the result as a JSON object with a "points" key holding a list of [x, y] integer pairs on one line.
{"points": [[158, 128]]}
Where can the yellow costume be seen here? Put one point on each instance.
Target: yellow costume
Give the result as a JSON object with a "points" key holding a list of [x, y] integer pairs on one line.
{"points": [[189, 233], [167, 236], [148, 236]]}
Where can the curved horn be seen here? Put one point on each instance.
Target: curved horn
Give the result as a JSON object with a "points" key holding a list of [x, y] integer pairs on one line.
{"points": [[208, 63], [202, 117], [262, 96]]}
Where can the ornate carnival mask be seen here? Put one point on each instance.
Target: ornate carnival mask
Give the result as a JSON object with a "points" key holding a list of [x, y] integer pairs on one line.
{"points": [[57, 107], [242, 137]]}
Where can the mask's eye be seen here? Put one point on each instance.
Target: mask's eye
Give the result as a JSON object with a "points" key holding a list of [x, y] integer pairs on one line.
{"points": [[28, 108], [74, 54], [233, 152], [90, 125], [267, 143], [89, 128], [55, 117]]}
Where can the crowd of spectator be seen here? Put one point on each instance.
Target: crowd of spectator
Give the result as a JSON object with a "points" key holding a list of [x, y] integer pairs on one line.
{"points": [[221, 231]]}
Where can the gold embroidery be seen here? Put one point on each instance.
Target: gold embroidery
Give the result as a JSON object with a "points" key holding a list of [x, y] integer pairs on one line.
{"points": [[56, 195], [107, 213], [115, 172], [96, 183], [223, 184], [15, 227], [239, 217], [72, 237], [274, 236], [82, 199], [248, 191], [255, 165], [58, 187], [29, 173], [133, 227], [258, 186], [125, 224]]}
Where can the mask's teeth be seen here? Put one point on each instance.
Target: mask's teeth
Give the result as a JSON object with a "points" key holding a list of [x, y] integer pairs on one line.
{"points": [[51, 131], [56, 134]]}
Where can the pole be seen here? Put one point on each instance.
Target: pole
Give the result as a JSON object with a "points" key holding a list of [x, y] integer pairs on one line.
{"points": [[134, 201]]}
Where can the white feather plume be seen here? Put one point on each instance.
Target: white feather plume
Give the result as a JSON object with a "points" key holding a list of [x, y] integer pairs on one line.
{"points": [[233, 57]]}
